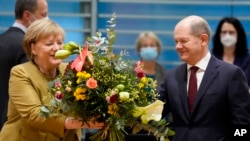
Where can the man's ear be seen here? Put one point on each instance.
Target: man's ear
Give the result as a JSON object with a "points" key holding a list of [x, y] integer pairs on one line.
{"points": [[204, 39], [26, 15]]}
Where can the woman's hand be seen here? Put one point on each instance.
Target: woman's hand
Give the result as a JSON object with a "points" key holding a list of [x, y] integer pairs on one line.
{"points": [[93, 124], [76, 123]]}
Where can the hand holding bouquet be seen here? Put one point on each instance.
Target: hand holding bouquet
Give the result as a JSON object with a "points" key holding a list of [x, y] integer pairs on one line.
{"points": [[105, 86]]}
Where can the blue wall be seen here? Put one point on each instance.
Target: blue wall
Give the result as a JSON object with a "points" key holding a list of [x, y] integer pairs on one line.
{"points": [[72, 25], [169, 14], [128, 28]]}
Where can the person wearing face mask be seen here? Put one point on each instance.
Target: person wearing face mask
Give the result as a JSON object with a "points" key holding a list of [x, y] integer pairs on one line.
{"points": [[148, 47], [11, 51], [230, 44]]}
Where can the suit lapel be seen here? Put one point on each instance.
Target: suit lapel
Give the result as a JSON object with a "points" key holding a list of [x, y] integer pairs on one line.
{"points": [[209, 76], [182, 82]]}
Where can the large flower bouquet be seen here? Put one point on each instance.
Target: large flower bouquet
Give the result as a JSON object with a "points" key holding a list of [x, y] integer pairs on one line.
{"points": [[105, 86]]}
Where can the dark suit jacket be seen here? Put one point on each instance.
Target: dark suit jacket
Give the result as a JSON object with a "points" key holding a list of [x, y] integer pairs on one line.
{"points": [[11, 54], [222, 101], [244, 63]]}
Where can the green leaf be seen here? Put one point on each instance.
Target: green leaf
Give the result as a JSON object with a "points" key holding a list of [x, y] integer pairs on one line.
{"points": [[170, 132], [45, 109]]}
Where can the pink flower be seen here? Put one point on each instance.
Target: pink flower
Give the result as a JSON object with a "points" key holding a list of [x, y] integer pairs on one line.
{"points": [[91, 83], [138, 70], [68, 89], [108, 98], [58, 85], [113, 92], [139, 64]]}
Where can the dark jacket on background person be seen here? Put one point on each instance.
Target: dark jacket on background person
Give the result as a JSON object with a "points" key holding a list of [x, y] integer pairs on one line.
{"points": [[11, 54], [159, 75], [244, 63]]}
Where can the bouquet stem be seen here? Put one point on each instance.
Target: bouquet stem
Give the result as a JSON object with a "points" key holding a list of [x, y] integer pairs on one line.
{"points": [[109, 133]]}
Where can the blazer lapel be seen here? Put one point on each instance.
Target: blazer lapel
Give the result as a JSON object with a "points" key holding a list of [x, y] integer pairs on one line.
{"points": [[182, 82], [209, 76]]}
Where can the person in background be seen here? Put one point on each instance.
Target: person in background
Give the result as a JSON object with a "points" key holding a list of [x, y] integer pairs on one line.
{"points": [[28, 90], [230, 44], [11, 51], [148, 46], [206, 96]]}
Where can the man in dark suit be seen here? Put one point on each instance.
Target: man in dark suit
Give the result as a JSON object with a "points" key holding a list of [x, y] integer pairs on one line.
{"points": [[220, 101], [11, 51]]}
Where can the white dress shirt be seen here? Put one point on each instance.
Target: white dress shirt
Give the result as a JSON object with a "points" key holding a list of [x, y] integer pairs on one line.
{"points": [[202, 64]]}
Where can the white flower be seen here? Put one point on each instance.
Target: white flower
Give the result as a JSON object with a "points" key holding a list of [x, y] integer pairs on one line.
{"points": [[98, 40], [150, 112], [124, 96]]}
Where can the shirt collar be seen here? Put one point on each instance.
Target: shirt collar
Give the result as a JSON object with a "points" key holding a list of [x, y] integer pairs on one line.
{"points": [[22, 27], [202, 64]]}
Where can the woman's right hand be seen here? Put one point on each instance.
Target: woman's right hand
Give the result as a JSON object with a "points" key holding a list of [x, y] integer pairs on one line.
{"points": [[76, 123]]}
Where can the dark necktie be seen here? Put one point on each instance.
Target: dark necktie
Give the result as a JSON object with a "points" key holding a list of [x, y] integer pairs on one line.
{"points": [[192, 87]]}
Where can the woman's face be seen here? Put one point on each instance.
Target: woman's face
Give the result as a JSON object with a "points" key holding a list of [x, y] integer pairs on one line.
{"points": [[149, 50], [228, 28], [44, 51], [148, 42], [228, 35]]}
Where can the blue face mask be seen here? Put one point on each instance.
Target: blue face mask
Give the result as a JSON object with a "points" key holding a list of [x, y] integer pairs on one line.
{"points": [[148, 53]]}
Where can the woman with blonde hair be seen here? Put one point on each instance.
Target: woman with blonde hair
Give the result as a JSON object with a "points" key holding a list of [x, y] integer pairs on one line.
{"points": [[148, 46], [28, 90]]}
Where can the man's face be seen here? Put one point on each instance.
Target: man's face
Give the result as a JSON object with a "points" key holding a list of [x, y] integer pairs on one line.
{"points": [[41, 11], [188, 46]]}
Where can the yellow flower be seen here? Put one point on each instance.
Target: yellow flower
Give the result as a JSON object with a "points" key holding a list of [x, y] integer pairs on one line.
{"points": [[69, 83], [78, 81], [141, 85], [144, 80], [79, 94], [83, 75], [87, 75], [81, 97], [113, 109], [80, 74], [150, 112]]}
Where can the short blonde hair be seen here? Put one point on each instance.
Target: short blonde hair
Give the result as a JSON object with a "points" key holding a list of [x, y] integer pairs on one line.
{"points": [[38, 30], [148, 34]]}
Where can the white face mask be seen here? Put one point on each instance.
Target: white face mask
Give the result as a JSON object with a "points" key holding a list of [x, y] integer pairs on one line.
{"points": [[228, 40], [34, 17]]}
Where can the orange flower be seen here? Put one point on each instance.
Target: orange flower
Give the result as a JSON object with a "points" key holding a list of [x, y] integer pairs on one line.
{"points": [[91, 83]]}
